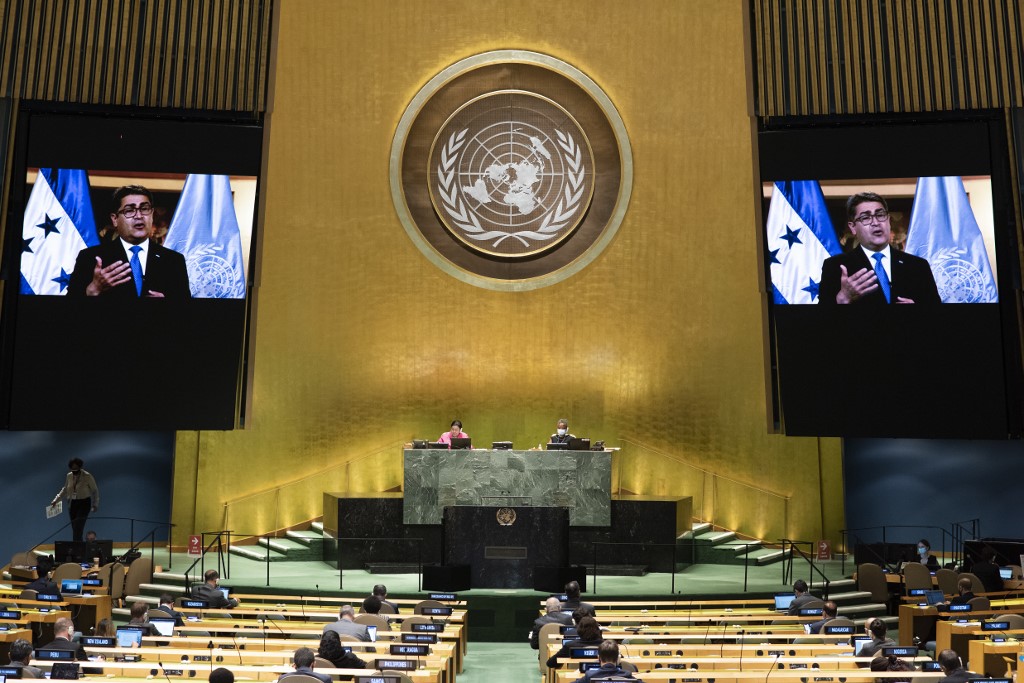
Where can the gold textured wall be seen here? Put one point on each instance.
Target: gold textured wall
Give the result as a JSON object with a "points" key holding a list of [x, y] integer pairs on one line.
{"points": [[361, 344]]}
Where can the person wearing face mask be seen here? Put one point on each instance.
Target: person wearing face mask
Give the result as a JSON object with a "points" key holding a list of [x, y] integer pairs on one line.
{"points": [[925, 557], [562, 434], [82, 496]]}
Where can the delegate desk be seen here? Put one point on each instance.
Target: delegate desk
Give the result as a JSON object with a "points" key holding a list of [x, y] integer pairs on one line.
{"points": [[577, 480]]}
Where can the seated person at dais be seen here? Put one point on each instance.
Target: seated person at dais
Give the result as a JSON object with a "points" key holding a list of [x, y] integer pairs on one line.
{"points": [[21, 654], [371, 605], [963, 588], [140, 619], [562, 434], [924, 553], [828, 613], [988, 571], [876, 628], [455, 432], [802, 598]]}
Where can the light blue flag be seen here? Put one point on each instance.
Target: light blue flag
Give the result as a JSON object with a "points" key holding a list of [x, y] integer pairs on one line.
{"points": [[943, 231], [205, 230], [58, 224], [800, 237]]}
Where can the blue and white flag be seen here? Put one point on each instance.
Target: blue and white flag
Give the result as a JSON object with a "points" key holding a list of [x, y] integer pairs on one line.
{"points": [[944, 231], [59, 223], [800, 238], [205, 230]]}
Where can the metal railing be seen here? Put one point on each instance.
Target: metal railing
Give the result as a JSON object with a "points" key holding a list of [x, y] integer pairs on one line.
{"points": [[951, 544], [796, 549], [132, 543], [717, 498]]}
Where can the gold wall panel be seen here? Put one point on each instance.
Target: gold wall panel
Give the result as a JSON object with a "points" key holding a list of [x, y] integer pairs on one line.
{"points": [[361, 343]]}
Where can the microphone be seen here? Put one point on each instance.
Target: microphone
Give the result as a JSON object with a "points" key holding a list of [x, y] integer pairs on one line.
{"points": [[164, 671], [302, 605], [706, 632], [741, 649], [319, 598], [237, 651], [721, 650], [772, 667]]}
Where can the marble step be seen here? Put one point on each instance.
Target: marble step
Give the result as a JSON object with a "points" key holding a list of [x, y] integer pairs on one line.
{"points": [[259, 553], [715, 537], [317, 527], [696, 529], [311, 539], [769, 556]]}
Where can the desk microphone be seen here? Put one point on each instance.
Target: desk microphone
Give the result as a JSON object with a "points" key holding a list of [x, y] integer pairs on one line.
{"points": [[741, 650], [164, 671], [302, 605], [234, 642], [319, 598], [707, 632], [721, 650], [772, 667]]}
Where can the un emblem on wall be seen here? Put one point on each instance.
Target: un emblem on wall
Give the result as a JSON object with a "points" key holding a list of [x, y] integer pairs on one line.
{"points": [[505, 516], [513, 174], [511, 170]]}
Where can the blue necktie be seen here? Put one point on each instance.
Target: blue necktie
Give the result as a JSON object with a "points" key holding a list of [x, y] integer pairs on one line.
{"points": [[136, 265], [883, 279]]}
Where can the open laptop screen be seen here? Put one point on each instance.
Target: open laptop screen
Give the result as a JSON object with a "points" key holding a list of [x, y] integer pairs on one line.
{"points": [[934, 597], [129, 637], [1006, 573], [164, 626], [783, 601], [71, 586], [858, 645]]}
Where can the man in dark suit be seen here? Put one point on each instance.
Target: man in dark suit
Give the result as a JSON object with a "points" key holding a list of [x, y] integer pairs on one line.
{"points": [[132, 265], [554, 615], [210, 591], [573, 602], [63, 630], [874, 272], [953, 667], [988, 571], [802, 599]]}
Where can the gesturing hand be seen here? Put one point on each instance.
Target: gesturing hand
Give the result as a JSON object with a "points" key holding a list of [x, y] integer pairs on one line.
{"points": [[853, 287], [105, 278]]}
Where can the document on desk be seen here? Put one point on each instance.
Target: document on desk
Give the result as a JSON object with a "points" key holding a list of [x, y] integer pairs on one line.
{"points": [[55, 509]]}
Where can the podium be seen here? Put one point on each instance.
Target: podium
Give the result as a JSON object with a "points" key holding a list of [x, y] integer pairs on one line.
{"points": [[503, 544]]}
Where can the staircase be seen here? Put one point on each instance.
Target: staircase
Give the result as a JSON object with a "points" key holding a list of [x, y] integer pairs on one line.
{"points": [[724, 547], [297, 546]]}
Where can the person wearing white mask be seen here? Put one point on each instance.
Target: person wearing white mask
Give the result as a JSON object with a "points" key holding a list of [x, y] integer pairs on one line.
{"points": [[562, 434]]}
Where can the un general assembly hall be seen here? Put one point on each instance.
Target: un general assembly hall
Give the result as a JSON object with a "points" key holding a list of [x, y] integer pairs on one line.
{"points": [[665, 340]]}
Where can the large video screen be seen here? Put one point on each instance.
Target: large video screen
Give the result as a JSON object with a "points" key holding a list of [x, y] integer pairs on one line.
{"points": [[132, 265], [882, 246]]}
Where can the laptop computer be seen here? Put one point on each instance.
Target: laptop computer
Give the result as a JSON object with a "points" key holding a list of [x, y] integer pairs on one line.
{"points": [[579, 444], [164, 626], [858, 645], [934, 597], [783, 601], [1006, 573], [71, 587], [372, 630], [501, 445], [128, 636], [461, 443], [557, 446], [226, 592]]}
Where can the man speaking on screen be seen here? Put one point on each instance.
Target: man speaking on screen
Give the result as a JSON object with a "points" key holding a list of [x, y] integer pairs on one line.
{"points": [[874, 272], [132, 265]]}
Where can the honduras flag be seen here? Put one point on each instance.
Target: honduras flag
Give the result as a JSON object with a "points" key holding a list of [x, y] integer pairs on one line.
{"points": [[205, 230], [800, 238], [943, 231], [59, 223]]}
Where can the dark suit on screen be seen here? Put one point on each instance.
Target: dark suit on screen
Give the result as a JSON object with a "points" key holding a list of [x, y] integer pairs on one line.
{"points": [[911, 278], [165, 271]]}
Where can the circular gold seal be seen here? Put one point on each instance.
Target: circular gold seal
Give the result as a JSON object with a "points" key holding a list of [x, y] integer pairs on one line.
{"points": [[506, 516], [511, 174], [511, 170]]}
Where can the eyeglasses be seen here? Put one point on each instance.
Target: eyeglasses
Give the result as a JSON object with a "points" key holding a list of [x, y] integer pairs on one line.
{"points": [[131, 211], [865, 218]]}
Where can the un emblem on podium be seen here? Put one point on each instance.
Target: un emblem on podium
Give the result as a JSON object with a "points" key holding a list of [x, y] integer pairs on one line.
{"points": [[511, 170], [506, 516]]}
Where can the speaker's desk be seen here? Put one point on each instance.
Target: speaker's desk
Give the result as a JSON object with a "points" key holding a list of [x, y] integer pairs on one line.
{"points": [[578, 480]]}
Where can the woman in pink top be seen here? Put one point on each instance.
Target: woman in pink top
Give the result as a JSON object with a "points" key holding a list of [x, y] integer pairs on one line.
{"points": [[454, 433]]}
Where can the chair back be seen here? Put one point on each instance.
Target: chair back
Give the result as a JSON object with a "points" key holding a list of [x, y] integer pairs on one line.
{"points": [[813, 604], [68, 570], [321, 663], [116, 582], [158, 613], [139, 572], [423, 604], [979, 603], [546, 634], [417, 619], [386, 608], [627, 666], [946, 578], [1016, 570], [1015, 621], [23, 559], [348, 638], [372, 620], [976, 585], [916, 576], [300, 678], [840, 621], [28, 594], [871, 579]]}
